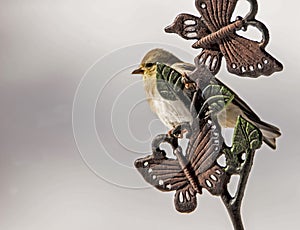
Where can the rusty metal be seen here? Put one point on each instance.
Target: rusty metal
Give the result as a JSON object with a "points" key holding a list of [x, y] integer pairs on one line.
{"points": [[187, 174], [216, 35], [197, 168]]}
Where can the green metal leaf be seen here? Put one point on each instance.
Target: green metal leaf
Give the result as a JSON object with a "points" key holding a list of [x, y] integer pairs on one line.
{"points": [[246, 139], [169, 83], [217, 97]]}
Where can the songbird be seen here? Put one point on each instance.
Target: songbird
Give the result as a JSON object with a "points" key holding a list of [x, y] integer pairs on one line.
{"points": [[174, 113]]}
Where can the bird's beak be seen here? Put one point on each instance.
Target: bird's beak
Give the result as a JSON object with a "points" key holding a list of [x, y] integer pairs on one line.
{"points": [[138, 71]]}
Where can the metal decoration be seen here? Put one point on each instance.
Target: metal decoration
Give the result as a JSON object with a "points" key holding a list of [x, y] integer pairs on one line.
{"points": [[187, 174], [197, 167], [216, 34]]}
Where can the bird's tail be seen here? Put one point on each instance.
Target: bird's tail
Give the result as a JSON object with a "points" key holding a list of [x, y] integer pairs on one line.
{"points": [[269, 132]]}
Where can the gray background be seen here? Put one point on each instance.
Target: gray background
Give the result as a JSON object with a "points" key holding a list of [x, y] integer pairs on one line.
{"points": [[48, 46]]}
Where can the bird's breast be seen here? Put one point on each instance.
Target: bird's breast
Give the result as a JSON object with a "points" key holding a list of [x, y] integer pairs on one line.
{"points": [[171, 113]]}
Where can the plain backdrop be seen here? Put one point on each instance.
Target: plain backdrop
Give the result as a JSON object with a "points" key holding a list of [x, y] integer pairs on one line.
{"points": [[46, 48]]}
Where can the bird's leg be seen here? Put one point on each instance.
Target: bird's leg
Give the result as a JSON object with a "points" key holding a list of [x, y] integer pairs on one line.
{"points": [[180, 129]]}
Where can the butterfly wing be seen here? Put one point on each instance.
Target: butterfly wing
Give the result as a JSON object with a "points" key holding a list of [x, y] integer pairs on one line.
{"points": [[188, 27], [166, 175], [204, 146], [214, 180], [191, 27], [245, 57], [203, 151], [163, 173], [185, 199], [211, 59], [216, 14]]}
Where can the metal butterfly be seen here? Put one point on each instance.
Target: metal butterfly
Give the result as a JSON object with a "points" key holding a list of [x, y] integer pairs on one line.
{"points": [[216, 34], [187, 174]]}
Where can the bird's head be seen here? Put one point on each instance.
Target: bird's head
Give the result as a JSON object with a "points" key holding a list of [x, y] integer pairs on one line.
{"points": [[147, 69], [148, 65]]}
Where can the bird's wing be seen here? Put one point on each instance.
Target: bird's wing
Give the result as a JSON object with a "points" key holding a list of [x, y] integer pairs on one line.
{"points": [[270, 132], [183, 67], [241, 104]]}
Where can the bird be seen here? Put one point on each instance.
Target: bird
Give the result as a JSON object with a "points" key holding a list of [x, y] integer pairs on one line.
{"points": [[174, 113]]}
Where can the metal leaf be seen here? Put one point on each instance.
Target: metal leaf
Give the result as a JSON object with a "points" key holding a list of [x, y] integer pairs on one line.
{"points": [[217, 97], [246, 139], [170, 84]]}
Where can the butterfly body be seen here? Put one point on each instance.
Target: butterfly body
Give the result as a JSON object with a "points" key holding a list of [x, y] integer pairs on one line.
{"points": [[217, 36], [187, 170]]}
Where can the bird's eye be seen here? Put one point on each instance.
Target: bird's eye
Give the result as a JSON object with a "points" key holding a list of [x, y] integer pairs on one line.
{"points": [[149, 65]]}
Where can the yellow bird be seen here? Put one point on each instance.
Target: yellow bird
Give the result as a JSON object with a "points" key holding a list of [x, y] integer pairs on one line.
{"points": [[174, 112]]}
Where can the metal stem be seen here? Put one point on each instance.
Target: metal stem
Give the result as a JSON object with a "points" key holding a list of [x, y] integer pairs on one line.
{"points": [[233, 204]]}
